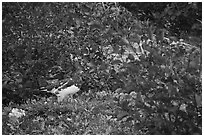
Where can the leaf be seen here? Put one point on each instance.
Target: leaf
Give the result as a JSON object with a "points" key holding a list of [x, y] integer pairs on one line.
{"points": [[42, 82], [131, 57], [134, 38], [198, 99], [194, 64], [183, 107], [85, 51], [95, 25], [121, 115], [115, 62], [150, 31], [116, 49], [119, 90], [103, 66], [125, 41], [90, 64], [50, 117], [132, 67], [139, 97]]}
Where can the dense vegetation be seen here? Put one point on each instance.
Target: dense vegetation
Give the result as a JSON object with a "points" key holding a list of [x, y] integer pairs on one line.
{"points": [[179, 18], [135, 78]]}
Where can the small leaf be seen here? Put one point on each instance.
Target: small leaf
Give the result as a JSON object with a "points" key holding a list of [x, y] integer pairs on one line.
{"points": [[131, 57], [198, 99], [183, 107], [95, 25], [121, 115], [134, 38], [139, 97], [116, 62], [103, 66], [90, 64], [50, 117], [125, 41], [116, 49], [194, 64], [119, 90]]}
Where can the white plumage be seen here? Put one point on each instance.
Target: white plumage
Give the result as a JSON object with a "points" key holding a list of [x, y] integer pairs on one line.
{"points": [[61, 94]]}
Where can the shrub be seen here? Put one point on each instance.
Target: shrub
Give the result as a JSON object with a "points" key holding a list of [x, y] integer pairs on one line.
{"points": [[132, 80]]}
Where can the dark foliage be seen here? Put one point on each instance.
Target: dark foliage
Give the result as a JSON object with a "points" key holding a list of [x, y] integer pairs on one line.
{"points": [[136, 77], [178, 17]]}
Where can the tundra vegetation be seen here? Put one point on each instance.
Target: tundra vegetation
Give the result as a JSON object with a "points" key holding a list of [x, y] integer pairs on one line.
{"points": [[137, 65]]}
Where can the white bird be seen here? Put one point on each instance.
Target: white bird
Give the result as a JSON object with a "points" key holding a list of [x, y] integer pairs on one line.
{"points": [[63, 93]]}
